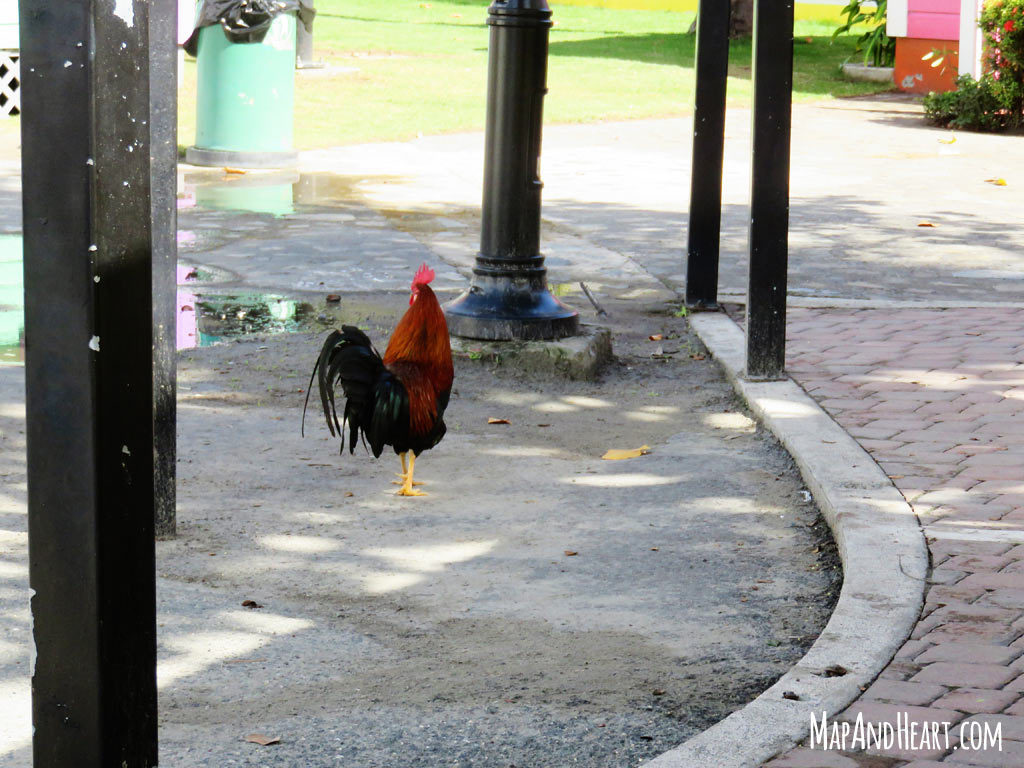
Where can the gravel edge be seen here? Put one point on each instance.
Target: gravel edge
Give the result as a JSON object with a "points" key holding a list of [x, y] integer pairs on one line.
{"points": [[885, 564]]}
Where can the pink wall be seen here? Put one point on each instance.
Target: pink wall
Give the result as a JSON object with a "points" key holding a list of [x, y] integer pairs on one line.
{"points": [[933, 19]]}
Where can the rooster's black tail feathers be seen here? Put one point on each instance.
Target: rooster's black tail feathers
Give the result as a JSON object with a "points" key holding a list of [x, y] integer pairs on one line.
{"points": [[348, 358]]}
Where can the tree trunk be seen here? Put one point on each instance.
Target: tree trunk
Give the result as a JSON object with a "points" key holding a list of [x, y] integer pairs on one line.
{"points": [[741, 23]]}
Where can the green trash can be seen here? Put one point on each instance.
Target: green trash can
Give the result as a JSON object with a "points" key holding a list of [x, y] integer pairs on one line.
{"points": [[245, 99], [12, 299]]}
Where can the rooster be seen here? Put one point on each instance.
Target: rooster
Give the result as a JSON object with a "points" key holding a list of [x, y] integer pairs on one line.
{"points": [[400, 399]]}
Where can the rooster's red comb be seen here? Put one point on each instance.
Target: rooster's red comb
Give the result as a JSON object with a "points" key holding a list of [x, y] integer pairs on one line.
{"points": [[423, 275]]}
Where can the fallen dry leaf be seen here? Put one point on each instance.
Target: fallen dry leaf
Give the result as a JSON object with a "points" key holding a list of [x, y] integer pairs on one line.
{"points": [[333, 298], [492, 420], [349, 493], [654, 549], [543, 425], [571, 553], [950, 140], [614, 454], [997, 182], [234, 170], [697, 356], [250, 604], [925, 224], [658, 692], [263, 741], [656, 336]]}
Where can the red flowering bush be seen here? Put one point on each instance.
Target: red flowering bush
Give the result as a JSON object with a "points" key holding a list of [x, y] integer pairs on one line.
{"points": [[1002, 31], [996, 101]]}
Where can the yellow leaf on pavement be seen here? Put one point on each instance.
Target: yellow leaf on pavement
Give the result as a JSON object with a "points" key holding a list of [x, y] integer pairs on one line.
{"points": [[997, 182], [613, 454]]}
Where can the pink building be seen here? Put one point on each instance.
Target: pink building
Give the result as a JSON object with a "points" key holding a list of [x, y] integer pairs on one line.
{"points": [[948, 28]]}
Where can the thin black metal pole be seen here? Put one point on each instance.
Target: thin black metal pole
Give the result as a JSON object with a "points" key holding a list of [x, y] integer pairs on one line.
{"points": [[769, 198], [509, 297], [704, 229], [163, 118], [89, 380]]}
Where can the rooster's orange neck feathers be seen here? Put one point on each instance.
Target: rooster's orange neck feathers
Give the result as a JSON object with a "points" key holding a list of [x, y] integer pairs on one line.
{"points": [[420, 353]]}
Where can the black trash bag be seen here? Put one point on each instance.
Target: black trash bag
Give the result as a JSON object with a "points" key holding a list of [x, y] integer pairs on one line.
{"points": [[247, 21]]}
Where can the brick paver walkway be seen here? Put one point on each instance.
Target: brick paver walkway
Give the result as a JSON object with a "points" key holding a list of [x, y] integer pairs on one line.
{"points": [[937, 398]]}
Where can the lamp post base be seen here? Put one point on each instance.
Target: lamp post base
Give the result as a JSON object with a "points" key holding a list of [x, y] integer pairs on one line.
{"points": [[510, 308]]}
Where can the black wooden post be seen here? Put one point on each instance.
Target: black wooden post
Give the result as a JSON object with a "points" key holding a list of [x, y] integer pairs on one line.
{"points": [[704, 229], [769, 198], [89, 379], [163, 120], [509, 297]]}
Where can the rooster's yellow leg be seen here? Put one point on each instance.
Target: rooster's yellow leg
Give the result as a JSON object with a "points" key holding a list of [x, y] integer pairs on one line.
{"points": [[407, 487], [405, 471]]}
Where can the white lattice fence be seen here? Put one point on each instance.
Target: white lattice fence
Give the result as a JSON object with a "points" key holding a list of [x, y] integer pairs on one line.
{"points": [[10, 83]]}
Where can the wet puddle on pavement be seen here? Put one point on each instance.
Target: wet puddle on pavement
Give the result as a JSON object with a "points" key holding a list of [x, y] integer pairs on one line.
{"points": [[220, 206], [277, 193], [207, 318], [204, 318]]}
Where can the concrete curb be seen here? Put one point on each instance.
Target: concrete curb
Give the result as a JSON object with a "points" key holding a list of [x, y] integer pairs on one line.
{"points": [[825, 302], [885, 563], [865, 73]]}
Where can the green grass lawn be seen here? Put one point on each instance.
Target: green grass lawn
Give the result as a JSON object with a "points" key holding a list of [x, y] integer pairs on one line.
{"points": [[421, 68]]}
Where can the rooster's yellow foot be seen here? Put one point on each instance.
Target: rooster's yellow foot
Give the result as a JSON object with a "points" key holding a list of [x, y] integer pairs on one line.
{"points": [[408, 490]]}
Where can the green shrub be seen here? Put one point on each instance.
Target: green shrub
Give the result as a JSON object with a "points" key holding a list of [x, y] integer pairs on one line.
{"points": [[996, 101], [980, 105]]}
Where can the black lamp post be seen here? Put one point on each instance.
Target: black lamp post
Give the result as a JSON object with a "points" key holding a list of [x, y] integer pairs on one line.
{"points": [[508, 297]]}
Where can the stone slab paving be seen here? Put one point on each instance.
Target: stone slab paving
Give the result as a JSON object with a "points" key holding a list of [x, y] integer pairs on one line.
{"points": [[937, 398]]}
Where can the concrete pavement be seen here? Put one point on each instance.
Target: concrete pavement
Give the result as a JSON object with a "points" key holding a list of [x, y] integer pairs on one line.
{"points": [[931, 393]]}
